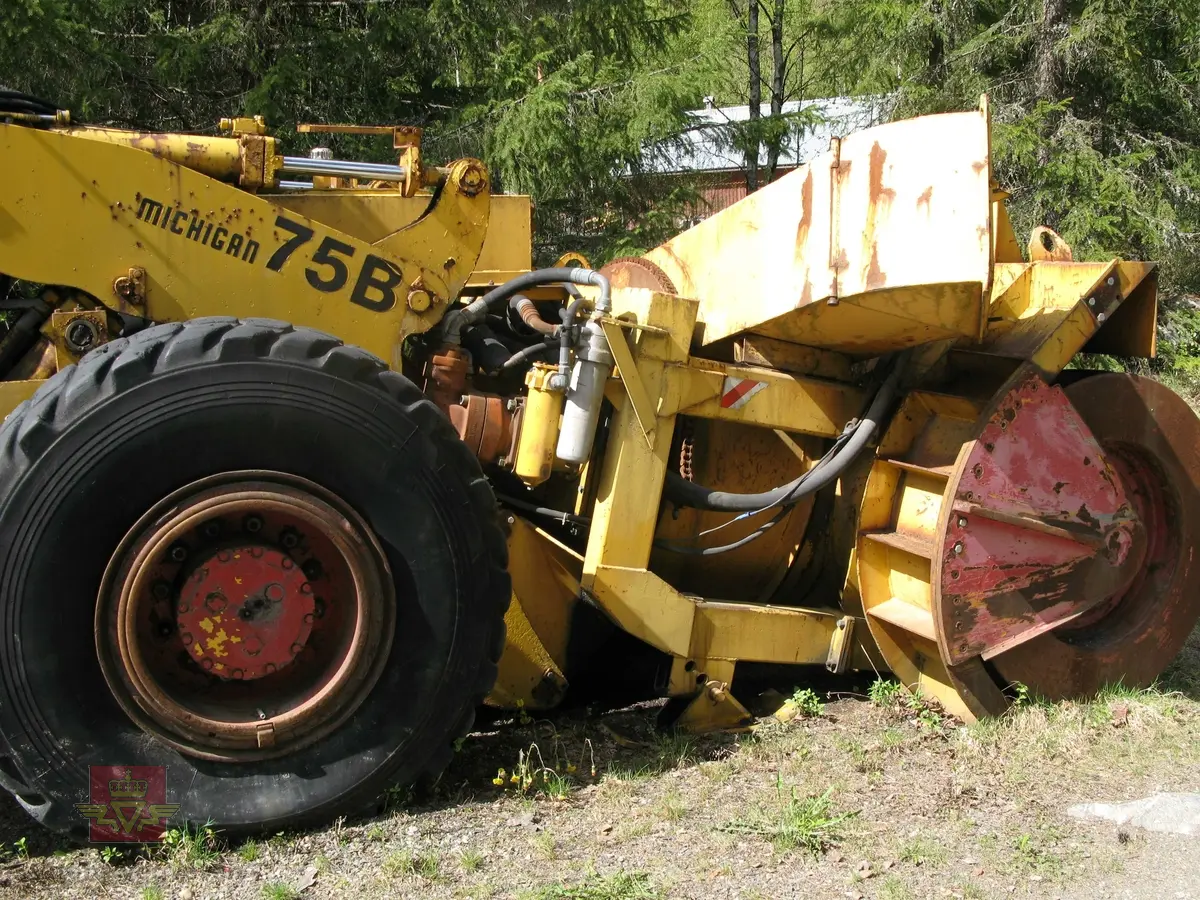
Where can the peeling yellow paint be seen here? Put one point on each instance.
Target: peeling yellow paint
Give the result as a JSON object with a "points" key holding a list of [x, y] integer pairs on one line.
{"points": [[216, 643], [199, 650], [207, 625]]}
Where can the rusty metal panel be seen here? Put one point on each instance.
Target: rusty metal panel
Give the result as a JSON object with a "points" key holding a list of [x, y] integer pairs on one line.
{"points": [[883, 242], [1039, 530]]}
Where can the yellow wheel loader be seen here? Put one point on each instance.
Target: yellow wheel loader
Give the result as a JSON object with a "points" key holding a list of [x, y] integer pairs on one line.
{"points": [[302, 459]]}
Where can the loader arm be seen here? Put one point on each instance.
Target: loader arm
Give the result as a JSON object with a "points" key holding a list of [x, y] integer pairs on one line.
{"points": [[84, 213]]}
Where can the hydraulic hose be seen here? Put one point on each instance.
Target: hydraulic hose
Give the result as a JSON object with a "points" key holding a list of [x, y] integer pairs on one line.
{"points": [[528, 311], [687, 493], [474, 312], [488, 350], [23, 334], [529, 353], [19, 102]]}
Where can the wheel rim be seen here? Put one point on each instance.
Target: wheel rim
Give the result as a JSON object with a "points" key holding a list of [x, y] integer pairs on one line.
{"points": [[245, 616]]}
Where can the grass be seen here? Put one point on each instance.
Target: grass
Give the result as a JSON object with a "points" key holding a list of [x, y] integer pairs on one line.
{"points": [[278, 890], [422, 865], [1030, 856], [189, 847], [545, 845], [622, 886], [673, 808], [795, 822], [249, 851], [892, 888], [152, 892], [919, 850], [470, 860]]}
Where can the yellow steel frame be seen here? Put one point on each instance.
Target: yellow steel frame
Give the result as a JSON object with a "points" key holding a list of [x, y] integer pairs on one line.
{"points": [[209, 248], [650, 337]]}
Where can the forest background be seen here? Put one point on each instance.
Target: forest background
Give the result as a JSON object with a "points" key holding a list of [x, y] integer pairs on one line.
{"points": [[1096, 103]]}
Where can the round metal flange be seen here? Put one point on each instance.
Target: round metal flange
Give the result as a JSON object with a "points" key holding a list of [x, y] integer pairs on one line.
{"points": [[245, 615], [1151, 440]]}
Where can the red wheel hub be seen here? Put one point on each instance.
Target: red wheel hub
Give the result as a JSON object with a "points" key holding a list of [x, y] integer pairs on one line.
{"points": [[245, 615], [246, 612]]}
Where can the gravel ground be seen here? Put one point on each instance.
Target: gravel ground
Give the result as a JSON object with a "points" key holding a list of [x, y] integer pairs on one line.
{"points": [[868, 798]]}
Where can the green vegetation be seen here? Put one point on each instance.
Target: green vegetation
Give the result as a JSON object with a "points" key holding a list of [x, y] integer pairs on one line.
{"points": [[623, 886], [1095, 119], [191, 847], [807, 703], [795, 822], [278, 890]]}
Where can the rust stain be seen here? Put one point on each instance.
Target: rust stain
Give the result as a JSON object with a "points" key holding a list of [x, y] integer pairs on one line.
{"points": [[979, 165], [876, 278], [925, 199], [877, 192], [879, 202], [806, 200]]}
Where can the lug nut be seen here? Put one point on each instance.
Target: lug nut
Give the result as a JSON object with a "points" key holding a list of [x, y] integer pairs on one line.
{"points": [[962, 523], [161, 590], [178, 552], [289, 538], [253, 524], [958, 547], [211, 528]]}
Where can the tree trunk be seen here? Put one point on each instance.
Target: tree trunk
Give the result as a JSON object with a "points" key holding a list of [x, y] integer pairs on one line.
{"points": [[752, 144], [778, 68], [1048, 75]]}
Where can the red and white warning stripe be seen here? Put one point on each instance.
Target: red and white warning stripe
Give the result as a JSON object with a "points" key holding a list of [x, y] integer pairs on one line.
{"points": [[738, 391]]}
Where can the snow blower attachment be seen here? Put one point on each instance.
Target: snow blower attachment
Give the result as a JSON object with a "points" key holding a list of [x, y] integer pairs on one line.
{"points": [[296, 473]]}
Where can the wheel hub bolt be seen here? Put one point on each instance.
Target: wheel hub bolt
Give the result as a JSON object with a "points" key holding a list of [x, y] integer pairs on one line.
{"points": [[253, 524]]}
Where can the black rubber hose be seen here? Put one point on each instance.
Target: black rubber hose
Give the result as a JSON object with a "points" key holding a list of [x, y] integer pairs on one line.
{"points": [[566, 333], [23, 335], [533, 509], [529, 354], [513, 286], [489, 352], [687, 493], [18, 101]]}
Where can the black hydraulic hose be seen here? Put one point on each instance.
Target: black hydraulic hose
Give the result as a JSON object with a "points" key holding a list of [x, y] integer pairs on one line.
{"points": [[529, 353], [477, 309], [565, 333], [565, 518], [23, 335], [487, 349], [687, 493], [19, 102]]}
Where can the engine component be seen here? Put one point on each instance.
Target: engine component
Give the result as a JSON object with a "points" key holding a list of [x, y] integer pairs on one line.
{"points": [[539, 426]]}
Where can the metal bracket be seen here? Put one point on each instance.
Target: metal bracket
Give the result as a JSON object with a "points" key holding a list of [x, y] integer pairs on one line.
{"points": [[635, 388], [841, 643]]}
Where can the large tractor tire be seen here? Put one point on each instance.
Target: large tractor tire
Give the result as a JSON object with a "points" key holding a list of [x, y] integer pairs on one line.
{"points": [[248, 553]]}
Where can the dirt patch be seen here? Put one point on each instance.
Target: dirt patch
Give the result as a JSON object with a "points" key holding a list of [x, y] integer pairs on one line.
{"points": [[873, 796]]}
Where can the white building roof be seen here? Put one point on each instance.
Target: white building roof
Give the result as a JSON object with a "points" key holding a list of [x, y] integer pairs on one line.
{"points": [[706, 146]]}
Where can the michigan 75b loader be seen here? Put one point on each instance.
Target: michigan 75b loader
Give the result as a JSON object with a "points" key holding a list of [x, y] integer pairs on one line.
{"points": [[291, 441]]}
